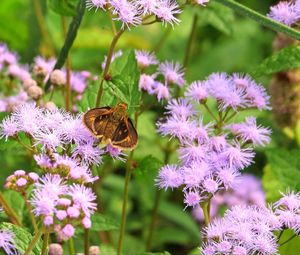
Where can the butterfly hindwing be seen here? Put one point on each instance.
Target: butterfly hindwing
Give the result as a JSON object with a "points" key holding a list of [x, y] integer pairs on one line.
{"points": [[125, 136]]}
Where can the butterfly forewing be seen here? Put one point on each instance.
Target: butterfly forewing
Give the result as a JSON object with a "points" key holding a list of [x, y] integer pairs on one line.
{"points": [[95, 120], [112, 125], [125, 135]]}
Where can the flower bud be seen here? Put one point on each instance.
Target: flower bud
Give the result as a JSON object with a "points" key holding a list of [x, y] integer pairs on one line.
{"points": [[55, 249], [94, 250], [57, 77], [29, 83], [35, 92], [50, 106]]}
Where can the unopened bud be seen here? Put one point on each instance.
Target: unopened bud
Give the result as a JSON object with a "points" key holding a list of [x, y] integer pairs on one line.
{"points": [[29, 83], [94, 250], [57, 77], [50, 106], [35, 92], [55, 249]]}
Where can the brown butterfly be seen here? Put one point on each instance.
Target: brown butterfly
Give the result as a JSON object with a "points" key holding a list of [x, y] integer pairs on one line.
{"points": [[112, 126]]}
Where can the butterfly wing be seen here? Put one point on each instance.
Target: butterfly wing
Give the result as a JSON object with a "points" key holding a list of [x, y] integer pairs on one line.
{"points": [[96, 120], [125, 136]]}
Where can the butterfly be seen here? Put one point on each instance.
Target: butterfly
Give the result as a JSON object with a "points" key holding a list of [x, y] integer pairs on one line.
{"points": [[112, 125]]}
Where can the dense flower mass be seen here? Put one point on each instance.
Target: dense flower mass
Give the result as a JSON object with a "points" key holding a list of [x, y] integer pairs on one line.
{"points": [[7, 242], [212, 154], [286, 12], [251, 229], [246, 191], [138, 12]]}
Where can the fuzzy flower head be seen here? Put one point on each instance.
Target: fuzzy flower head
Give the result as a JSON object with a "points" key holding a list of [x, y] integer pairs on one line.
{"points": [[169, 177], [145, 58], [7, 242], [97, 4], [166, 11], [173, 73], [284, 12]]}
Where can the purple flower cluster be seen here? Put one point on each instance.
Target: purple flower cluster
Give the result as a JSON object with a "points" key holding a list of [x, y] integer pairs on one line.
{"points": [[286, 12], [213, 154], [20, 180], [133, 13], [250, 229], [7, 242], [156, 82], [159, 82], [23, 84], [62, 206], [246, 191]]}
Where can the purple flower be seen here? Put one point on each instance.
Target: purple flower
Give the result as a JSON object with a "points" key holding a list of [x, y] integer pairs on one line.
{"points": [[284, 12], [166, 11], [127, 12], [78, 82], [180, 108], [49, 139], [173, 73], [88, 153], [197, 91], [250, 132], [147, 82], [90, 4], [68, 231], [147, 6], [202, 2], [257, 97], [83, 198], [169, 177], [8, 127], [145, 58], [161, 91], [194, 174], [191, 198], [7, 242]]}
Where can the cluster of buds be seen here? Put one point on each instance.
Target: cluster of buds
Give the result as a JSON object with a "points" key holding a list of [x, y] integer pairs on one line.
{"points": [[20, 180]]}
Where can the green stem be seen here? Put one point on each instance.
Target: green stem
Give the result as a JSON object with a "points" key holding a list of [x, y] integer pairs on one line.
{"points": [[205, 208], [33, 242], [71, 35], [68, 70], [125, 200], [107, 64], [265, 21], [292, 237], [86, 242], [210, 112], [9, 211], [71, 246], [42, 25], [157, 200], [29, 208], [190, 41], [45, 243], [280, 234]]}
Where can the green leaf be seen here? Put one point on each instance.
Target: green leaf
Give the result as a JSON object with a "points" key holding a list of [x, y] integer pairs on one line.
{"points": [[63, 7], [125, 80], [290, 247], [156, 253], [147, 168], [182, 218], [22, 238], [217, 16], [101, 222], [281, 173], [16, 202], [124, 85], [285, 59]]}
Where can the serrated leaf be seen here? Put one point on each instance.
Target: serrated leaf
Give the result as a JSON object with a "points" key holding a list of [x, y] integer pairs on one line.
{"points": [[217, 16], [285, 59], [148, 168], [102, 222], [63, 7], [281, 173], [125, 80], [22, 238], [89, 98]]}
